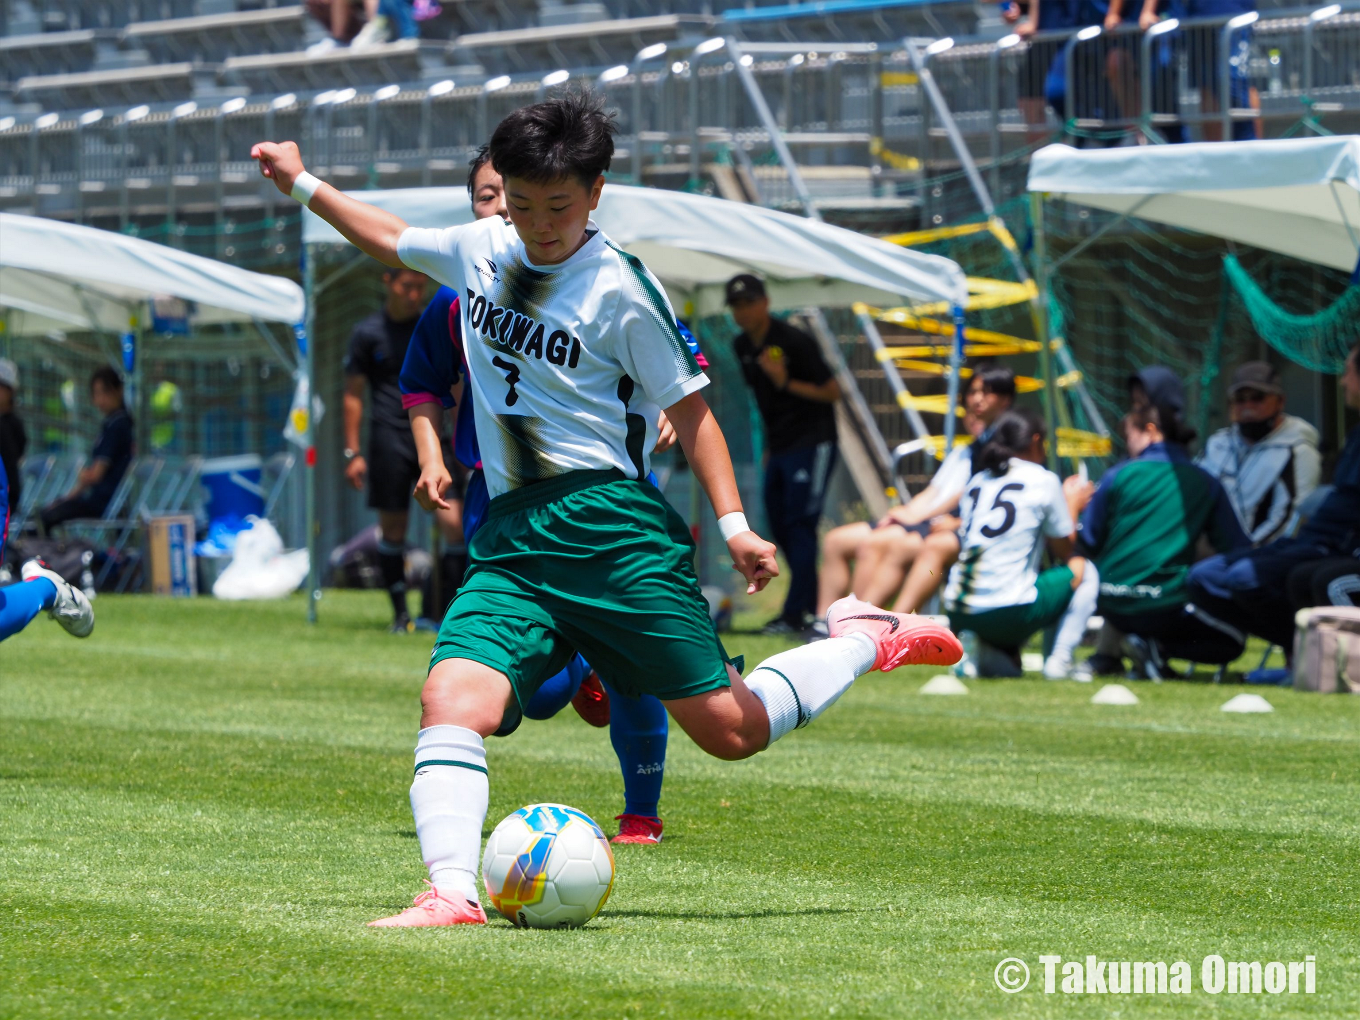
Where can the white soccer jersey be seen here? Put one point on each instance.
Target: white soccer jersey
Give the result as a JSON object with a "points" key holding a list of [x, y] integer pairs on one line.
{"points": [[569, 364], [1005, 519]]}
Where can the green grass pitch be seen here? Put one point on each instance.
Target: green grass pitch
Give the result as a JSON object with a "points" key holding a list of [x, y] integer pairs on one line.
{"points": [[202, 805]]}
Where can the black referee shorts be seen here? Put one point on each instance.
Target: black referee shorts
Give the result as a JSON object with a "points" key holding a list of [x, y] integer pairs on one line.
{"points": [[394, 469]]}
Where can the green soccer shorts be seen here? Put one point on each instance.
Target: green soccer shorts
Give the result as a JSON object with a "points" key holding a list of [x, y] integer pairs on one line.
{"points": [[588, 562], [1011, 626]]}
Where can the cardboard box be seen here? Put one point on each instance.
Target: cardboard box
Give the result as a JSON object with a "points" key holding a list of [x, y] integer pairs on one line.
{"points": [[170, 541]]}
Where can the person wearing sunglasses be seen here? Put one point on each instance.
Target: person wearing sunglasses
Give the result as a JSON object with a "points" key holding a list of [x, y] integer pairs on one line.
{"points": [[1266, 460]]}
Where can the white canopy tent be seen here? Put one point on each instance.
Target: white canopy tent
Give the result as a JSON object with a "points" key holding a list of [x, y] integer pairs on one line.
{"points": [[1298, 196], [695, 244], [64, 276]]}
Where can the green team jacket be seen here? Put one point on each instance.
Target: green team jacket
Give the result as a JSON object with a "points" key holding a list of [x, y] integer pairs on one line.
{"points": [[1143, 523]]}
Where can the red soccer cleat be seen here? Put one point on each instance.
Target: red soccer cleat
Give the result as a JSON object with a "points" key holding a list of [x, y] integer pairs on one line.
{"points": [[431, 909], [592, 701], [637, 829], [901, 638]]}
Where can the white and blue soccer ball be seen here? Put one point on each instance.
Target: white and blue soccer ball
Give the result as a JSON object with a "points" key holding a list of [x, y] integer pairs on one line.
{"points": [[548, 866]]}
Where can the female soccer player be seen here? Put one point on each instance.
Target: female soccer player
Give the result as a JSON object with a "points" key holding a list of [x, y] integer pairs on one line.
{"points": [[996, 595], [572, 349]]}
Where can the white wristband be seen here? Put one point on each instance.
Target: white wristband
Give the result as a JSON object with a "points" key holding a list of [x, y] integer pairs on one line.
{"points": [[732, 525], [304, 187]]}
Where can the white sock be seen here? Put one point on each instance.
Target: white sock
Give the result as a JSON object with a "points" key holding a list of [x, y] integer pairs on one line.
{"points": [[799, 685], [448, 799], [1072, 626]]}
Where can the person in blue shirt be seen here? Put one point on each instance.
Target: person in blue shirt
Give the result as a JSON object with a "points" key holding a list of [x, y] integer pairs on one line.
{"points": [[433, 372], [1042, 82]]}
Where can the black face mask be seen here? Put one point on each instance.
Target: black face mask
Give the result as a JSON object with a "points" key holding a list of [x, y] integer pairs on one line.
{"points": [[1255, 431]]}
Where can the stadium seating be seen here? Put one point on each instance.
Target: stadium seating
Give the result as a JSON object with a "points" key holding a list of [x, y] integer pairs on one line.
{"points": [[74, 14], [125, 87], [291, 72], [46, 53], [595, 44], [213, 38]]}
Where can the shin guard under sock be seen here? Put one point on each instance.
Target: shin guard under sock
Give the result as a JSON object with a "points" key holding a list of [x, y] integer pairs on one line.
{"points": [[449, 799], [392, 564], [799, 685], [638, 728]]}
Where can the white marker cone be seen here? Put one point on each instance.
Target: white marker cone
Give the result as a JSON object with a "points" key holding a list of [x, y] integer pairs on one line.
{"points": [[1248, 703], [945, 683], [1114, 694]]}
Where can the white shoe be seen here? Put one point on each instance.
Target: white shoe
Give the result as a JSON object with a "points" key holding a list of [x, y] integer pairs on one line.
{"points": [[71, 609], [323, 47], [1056, 668], [375, 33]]}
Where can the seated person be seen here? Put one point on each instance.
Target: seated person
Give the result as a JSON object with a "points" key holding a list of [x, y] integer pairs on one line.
{"points": [[1141, 528], [882, 552], [1266, 460], [1250, 588], [97, 481], [990, 393], [1155, 384], [996, 597], [1333, 581]]}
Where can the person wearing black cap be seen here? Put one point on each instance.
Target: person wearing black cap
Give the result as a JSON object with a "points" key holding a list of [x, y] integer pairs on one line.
{"points": [[794, 390], [1267, 460], [1252, 588]]}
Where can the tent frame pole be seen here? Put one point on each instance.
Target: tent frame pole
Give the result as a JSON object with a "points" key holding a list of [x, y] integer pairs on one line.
{"points": [[309, 461], [1041, 282]]}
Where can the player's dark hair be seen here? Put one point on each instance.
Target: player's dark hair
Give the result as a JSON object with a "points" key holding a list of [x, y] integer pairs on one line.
{"points": [[475, 164], [1167, 420], [107, 376], [996, 377], [570, 136], [1012, 435]]}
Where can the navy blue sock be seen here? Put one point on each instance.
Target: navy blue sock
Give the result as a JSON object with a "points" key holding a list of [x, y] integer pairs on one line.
{"points": [[19, 603], [558, 690], [637, 729]]}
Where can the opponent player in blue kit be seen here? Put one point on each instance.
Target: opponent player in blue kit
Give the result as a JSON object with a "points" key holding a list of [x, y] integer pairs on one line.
{"points": [[638, 727], [41, 589]]}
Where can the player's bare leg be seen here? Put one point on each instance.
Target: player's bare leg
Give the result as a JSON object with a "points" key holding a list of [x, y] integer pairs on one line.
{"points": [[937, 555], [885, 557], [838, 553], [462, 702]]}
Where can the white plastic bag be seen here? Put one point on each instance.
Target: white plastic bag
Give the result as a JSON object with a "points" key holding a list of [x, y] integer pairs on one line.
{"points": [[260, 569]]}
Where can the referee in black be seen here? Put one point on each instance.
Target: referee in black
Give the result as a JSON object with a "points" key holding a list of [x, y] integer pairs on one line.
{"points": [[795, 392], [377, 348]]}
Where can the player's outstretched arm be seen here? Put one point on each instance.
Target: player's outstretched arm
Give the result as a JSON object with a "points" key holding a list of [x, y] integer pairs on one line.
{"points": [[370, 229], [706, 449], [434, 478]]}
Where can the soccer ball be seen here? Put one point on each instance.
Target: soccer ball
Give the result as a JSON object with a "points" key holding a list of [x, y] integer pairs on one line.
{"points": [[548, 866]]}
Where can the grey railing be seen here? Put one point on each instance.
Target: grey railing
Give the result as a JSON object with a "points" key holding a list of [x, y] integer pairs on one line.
{"points": [[784, 125]]}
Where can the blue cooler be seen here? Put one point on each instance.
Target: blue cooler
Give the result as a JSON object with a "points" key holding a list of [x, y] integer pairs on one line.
{"points": [[234, 488]]}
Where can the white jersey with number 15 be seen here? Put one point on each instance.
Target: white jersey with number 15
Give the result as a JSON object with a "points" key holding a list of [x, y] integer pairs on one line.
{"points": [[1005, 520]]}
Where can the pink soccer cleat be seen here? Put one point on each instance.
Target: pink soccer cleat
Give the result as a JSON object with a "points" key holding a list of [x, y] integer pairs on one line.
{"points": [[637, 829], [901, 638], [431, 909]]}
